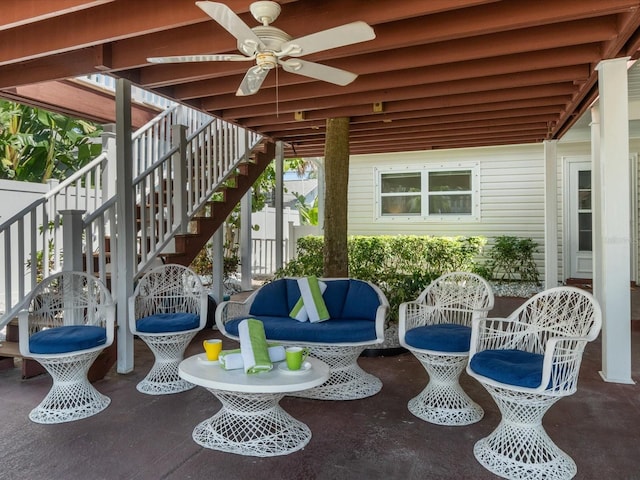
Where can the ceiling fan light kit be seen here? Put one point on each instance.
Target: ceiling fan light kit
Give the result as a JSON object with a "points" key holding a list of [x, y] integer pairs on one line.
{"points": [[268, 45]]}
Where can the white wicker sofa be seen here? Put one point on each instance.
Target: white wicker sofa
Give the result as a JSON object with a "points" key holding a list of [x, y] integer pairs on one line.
{"points": [[357, 312]]}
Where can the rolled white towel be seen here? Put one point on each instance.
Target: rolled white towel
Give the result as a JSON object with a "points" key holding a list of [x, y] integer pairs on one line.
{"points": [[232, 359]]}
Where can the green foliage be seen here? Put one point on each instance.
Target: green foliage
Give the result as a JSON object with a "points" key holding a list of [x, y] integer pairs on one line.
{"points": [[511, 259], [203, 263], [36, 145], [308, 213], [402, 266]]}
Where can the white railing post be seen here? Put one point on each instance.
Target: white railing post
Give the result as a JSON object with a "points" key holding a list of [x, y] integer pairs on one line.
{"points": [[72, 227], [180, 202], [109, 149]]}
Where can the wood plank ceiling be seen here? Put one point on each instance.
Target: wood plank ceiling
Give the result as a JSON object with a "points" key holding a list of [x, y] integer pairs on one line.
{"points": [[444, 73]]}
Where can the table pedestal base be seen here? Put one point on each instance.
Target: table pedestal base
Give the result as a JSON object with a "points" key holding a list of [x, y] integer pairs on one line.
{"points": [[252, 424]]}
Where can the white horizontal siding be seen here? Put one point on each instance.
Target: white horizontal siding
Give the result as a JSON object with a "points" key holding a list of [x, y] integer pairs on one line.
{"points": [[511, 193]]}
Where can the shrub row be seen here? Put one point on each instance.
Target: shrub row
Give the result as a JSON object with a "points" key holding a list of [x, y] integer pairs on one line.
{"points": [[401, 265]]}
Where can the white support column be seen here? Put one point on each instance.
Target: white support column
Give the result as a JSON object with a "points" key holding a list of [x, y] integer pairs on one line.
{"points": [[550, 213], [217, 255], [126, 239], [279, 204], [245, 241], [72, 227], [179, 166], [611, 228]]}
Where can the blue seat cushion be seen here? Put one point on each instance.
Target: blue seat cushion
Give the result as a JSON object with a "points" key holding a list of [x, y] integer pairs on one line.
{"points": [[69, 338], [445, 337], [168, 322], [513, 367], [331, 331]]}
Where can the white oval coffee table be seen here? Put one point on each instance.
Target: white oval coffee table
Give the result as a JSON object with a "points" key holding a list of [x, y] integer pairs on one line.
{"points": [[251, 421]]}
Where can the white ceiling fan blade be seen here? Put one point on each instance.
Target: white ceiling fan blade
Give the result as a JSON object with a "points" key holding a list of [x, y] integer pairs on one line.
{"points": [[252, 81], [199, 58], [318, 71], [347, 34], [232, 23]]}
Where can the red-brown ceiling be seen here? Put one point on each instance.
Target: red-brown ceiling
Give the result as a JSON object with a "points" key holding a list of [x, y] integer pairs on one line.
{"points": [[448, 73]]}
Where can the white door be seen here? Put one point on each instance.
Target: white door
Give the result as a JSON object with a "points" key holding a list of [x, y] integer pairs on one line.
{"points": [[579, 216]]}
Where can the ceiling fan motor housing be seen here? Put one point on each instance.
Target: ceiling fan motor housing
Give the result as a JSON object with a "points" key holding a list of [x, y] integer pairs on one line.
{"points": [[265, 12]]}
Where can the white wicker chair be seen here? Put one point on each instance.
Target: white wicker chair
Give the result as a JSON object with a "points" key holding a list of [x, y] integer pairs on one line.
{"points": [[527, 362], [69, 320], [166, 310], [436, 328]]}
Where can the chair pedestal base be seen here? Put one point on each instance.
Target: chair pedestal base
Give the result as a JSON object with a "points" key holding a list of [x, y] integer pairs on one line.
{"points": [[443, 401], [72, 397], [168, 350], [519, 448], [347, 381]]}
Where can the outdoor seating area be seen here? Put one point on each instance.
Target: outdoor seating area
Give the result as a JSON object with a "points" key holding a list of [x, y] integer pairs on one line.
{"points": [[141, 436]]}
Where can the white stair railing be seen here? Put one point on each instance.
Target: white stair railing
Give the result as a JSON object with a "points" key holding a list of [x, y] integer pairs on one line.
{"points": [[31, 240]]}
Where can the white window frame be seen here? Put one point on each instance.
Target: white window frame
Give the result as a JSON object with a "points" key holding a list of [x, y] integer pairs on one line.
{"points": [[424, 170]]}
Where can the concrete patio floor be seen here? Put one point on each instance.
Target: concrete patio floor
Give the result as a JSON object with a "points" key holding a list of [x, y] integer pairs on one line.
{"points": [[149, 437]]}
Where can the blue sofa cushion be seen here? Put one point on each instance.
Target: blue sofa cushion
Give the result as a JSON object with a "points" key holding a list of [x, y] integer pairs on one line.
{"points": [[69, 338], [445, 337], [361, 302], [334, 297], [271, 300], [168, 322], [331, 331], [513, 367]]}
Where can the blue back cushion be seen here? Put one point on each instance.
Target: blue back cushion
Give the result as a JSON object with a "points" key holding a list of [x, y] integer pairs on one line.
{"points": [[271, 300], [361, 301], [168, 322], [445, 337], [287, 329], [334, 297], [513, 367], [69, 338]]}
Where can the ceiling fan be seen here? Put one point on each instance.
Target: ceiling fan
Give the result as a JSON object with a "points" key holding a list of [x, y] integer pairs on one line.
{"points": [[268, 46]]}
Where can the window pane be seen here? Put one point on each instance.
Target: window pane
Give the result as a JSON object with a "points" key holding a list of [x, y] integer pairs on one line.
{"points": [[584, 180], [401, 205], [584, 200], [400, 182], [449, 204], [584, 232], [450, 181]]}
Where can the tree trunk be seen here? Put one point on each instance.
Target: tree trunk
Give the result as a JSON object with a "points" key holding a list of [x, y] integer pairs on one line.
{"points": [[336, 156]]}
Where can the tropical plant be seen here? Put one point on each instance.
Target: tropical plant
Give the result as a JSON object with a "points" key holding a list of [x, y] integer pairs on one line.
{"points": [[37, 145]]}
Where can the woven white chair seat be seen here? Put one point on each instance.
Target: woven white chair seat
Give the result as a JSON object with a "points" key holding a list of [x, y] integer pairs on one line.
{"points": [[65, 302], [554, 326], [168, 289], [444, 309]]}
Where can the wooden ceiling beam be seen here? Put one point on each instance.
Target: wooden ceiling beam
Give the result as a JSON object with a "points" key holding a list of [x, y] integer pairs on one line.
{"points": [[22, 12], [438, 93], [418, 109], [397, 85]]}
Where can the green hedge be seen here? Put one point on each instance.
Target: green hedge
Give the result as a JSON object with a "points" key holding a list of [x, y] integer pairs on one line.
{"points": [[401, 265]]}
